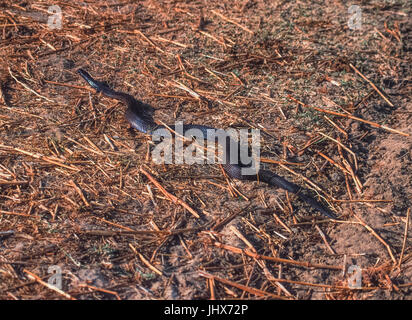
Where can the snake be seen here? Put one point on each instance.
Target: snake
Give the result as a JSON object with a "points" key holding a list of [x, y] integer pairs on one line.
{"points": [[140, 118]]}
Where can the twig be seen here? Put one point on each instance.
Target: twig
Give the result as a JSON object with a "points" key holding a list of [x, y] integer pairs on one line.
{"points": [[377, 237], [327, 286], [158, 38], [405, 236], [324, 239], [251, 290], [145, 261], [115, 224], [372, 85], [336, 126], [158, 233], [343, 146], [361, 200], [373, 124], [169, 195], [47, 285], [214, 38], [316, 187], [93, 145], [148, 40], [109, 141], [229, 218], [231, 21], [267, 160], [69, 85], [28, 88], [39, 156], [232, 189], [83, 146], [333, 162], [281, 223], [85, 285], [356, 181], [80, 193], [212, 288], [274, 259], [261, 263], [17, 214], [12, 183], [188, 90]]}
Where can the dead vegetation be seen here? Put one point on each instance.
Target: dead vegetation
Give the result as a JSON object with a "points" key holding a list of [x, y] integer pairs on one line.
{"points": [[78, 190]]}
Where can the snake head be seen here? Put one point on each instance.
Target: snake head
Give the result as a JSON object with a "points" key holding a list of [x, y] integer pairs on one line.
{"points": [[98, 85]]}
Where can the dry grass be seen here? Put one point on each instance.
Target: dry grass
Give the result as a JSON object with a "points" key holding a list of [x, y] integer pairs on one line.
{"points": [[78, 189]]}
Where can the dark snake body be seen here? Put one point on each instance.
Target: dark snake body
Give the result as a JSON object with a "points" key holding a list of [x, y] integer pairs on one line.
{"points": [[140, 119]]}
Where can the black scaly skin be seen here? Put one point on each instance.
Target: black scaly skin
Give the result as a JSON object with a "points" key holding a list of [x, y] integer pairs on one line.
{"points": [[142, 120]]}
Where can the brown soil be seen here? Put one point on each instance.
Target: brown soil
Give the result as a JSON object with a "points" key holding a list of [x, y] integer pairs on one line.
{"points": [[72, 192]]}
